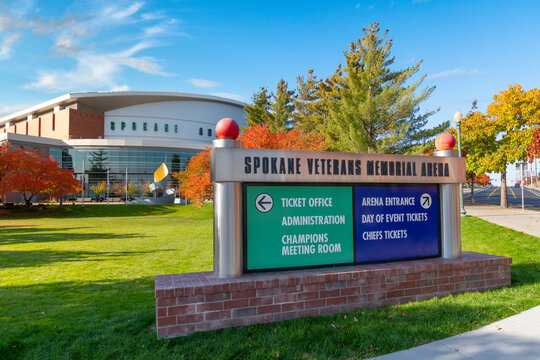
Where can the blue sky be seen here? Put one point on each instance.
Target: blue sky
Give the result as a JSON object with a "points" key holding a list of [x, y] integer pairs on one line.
{"points": [[470, 49]]}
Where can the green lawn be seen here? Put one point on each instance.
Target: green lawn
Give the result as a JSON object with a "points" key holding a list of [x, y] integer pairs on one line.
{"points": [[77, 283]]}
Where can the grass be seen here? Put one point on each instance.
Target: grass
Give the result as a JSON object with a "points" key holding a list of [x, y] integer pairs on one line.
{"points": [[77, 283]]}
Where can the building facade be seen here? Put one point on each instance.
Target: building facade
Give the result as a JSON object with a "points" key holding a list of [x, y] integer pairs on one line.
{"points": [[119, 135]]}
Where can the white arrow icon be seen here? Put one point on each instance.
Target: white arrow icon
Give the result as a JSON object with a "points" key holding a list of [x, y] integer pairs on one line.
{"points": [[425, 200], [264, 202]]}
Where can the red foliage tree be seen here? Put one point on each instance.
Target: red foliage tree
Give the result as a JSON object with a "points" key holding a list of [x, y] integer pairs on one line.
{"points": [[195, 182], [29, 174], [534, 148], [483, 180]]}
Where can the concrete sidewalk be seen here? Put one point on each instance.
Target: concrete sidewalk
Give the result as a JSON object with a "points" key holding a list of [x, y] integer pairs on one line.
{"points": [[527, 221], [516, 337]]}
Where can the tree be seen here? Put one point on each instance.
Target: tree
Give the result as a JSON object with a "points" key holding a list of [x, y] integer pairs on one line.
{"points": [[98, 167], [99, 189], [515, 113], [274, 109], [29, 174], [478, 141], [195, 182], [366, 107]]}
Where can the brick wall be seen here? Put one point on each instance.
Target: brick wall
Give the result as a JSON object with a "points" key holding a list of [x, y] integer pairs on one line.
{"points": [[85, 125], [193, 302]]}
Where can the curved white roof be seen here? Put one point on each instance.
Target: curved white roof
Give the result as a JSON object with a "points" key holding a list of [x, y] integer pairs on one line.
{"points": [[110, 100]]}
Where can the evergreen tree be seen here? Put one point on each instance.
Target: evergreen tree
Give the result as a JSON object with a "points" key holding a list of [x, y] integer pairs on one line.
{"points": [[258, 112], [366, 106], [282, 107], [273, 108]]}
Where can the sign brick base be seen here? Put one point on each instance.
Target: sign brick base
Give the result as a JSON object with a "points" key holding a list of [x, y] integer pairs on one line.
{"points": [[193, 302]]}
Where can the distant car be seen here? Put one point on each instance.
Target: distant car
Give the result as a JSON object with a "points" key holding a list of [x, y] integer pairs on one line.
{"points": [[517, 185]]}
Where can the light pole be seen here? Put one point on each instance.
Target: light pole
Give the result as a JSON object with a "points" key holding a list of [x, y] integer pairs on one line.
{"points": [[457, 118]]}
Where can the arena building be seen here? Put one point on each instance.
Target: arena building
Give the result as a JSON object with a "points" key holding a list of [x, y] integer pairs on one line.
{"points": [[99, 133]]}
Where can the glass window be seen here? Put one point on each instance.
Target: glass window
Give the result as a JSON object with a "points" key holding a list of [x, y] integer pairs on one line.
{"points": [[112, 125], [209, 132], [166, 127], [155, 127], [134, 126], [175, 128], [200, 131], [123, 125], [145, 126]]}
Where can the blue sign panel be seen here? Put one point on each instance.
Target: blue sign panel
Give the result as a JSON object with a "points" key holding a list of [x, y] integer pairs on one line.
{"points": [[396, 222]]}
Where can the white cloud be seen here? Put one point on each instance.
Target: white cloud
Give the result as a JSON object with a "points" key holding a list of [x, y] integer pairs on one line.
{"points": [[6, 109], [230, 96], [65, 45], [97, 71], [5, 45], [203, 83], [120, 14], [454, 73]]}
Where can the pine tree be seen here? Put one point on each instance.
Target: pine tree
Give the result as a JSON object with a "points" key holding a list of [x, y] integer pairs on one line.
{"points": [[276, 109], [258, 112], [364, 106]]}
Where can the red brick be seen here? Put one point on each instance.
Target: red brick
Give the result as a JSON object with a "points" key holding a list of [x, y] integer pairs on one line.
{"points": [[210, 325], [407, 284], [261, 319], [268, 300], [287, 282], [411, 292], [286, 298], [161, 312], [421, 283], [350, 291], [218, 315], [357, 282], [447, 287], [308, 312], [180, 330], [285, 316], [313, 287], [430, 289], [217, 297], [163, 302], [441, 281], [267, 309], [234, 304], [414, 276], [457, 279], [307, 296], [184, 300], [181, 310], [244, 294], [292, 306], [215, 306], [336, 301], [279, 291], [394, 294], [329, 293], [356, 299], [166, 321], [188, 319], [315, 303]]}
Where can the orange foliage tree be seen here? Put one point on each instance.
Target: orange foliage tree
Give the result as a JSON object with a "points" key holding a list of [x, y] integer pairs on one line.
{"points": [[29, 174], [195, 182]]}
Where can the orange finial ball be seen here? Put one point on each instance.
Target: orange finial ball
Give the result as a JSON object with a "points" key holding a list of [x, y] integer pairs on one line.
{"points": [[445, 141], [227, 128]]}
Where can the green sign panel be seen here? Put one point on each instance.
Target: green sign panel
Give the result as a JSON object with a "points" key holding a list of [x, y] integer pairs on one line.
{"points": [[297, 226]]}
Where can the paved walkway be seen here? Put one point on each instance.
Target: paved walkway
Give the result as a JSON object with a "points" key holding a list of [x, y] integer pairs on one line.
{"points": [[515, 338], [527, 221]]}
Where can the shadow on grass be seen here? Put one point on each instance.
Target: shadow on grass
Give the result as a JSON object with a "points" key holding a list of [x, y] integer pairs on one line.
{"points": [[77, 211], [36, 258], [30, 234], [115, 319]]}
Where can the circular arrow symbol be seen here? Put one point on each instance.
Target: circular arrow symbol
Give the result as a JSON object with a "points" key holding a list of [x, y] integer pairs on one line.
{"points": [[425, 201], [264, 203]]}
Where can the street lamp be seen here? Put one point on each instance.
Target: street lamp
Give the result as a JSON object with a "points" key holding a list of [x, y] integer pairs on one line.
{"points": [[457, 118]]}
